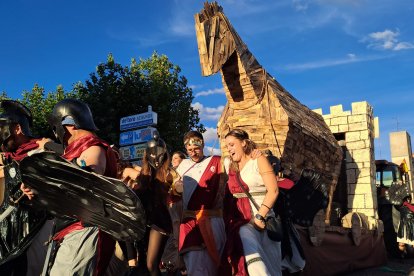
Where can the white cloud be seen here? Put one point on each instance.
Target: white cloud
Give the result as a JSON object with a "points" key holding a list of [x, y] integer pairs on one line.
{"points": [[181, 26], [212, 142], [210, 136], [350, 58], [195, 86], [341, 2], [208, 113], [210, 92], [300, 5], [150, 40], [387, 40], [403, 46], [211, 151], [180, 23], [242, 8]]}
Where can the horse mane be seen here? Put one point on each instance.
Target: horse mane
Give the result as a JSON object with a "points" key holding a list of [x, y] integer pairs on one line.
{"points": [[209, 10]]}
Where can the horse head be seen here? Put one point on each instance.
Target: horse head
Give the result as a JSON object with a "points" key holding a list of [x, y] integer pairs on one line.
{"points": [[221, 48], [217, 40]]}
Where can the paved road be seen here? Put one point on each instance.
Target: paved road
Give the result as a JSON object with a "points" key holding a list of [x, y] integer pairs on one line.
{"points": [[394, 267]]}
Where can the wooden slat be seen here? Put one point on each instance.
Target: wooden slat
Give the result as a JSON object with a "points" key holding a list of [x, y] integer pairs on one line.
{"points": [[271, 115]]}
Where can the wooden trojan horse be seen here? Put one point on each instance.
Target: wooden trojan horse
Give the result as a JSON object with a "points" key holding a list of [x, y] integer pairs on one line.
{"points": [[258, 104]]}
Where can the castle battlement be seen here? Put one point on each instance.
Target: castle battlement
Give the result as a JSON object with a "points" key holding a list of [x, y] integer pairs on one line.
{"points": [[355, 131]]}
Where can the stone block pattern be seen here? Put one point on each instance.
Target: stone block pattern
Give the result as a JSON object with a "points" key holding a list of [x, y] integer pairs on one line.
{"points": [[358, 128]]}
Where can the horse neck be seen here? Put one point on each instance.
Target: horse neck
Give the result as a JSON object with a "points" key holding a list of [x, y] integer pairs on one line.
{"points": [[243, 76]]}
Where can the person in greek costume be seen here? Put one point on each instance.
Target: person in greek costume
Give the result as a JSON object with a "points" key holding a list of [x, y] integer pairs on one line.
{"points": [[202, 232], [82, 249], [249, 248], [19, 223]]}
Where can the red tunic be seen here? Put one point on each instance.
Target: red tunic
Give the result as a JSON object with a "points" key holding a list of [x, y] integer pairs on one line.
{"points": [[203, 197], [106, 243], [237, 213], [75, 149], [22, 150]]}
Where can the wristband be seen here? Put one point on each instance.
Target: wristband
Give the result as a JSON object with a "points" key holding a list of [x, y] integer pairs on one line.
{"points": [[259, 217], [265, 206]]}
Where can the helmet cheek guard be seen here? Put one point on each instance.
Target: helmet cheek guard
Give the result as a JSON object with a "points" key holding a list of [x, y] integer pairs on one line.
{"points": [[13, 113], [58, 129], [4, 130], [156, 151], [156, 156]]}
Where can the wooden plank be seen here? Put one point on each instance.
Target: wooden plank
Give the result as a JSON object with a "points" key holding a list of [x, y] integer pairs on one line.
{"points": [[270, 114]]}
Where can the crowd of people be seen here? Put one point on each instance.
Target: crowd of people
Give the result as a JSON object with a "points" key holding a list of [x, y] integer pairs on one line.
{"points": [[205, 215]]}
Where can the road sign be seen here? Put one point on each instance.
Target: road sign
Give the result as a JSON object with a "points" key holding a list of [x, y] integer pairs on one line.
{"points": [[132, 152], [136, 136], [139, 120]]}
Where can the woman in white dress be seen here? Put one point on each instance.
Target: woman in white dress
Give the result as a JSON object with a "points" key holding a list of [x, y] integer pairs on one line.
{"points": [[249, 249]]}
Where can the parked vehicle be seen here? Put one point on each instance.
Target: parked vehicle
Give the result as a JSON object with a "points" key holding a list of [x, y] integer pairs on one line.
{"points": [[392, 189]]}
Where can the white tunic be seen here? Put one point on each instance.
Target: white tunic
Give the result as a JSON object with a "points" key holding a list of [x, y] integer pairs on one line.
{"points": [[262, 255], [198, 262], [191, 174]]}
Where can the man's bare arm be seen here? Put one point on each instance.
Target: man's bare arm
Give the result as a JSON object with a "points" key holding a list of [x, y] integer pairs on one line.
{"points": [[95, 158]]}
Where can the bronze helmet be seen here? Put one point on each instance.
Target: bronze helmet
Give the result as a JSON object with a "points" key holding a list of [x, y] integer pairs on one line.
{"points": [[76, 110]]}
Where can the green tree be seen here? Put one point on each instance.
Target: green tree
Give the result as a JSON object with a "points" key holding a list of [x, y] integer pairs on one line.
{"points": [[114, 91], [3, 96], [41, 105]]}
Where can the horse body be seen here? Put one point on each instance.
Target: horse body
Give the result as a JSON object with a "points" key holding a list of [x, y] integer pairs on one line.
{"points": [[257, 103]]}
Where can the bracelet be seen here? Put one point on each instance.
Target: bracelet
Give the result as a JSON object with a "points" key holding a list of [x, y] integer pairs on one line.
{"points": [[266, 206], [259, 217]]}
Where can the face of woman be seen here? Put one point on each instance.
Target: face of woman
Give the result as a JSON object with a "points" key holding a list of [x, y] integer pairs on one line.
{"points": [[235, 148], [176, 160]]}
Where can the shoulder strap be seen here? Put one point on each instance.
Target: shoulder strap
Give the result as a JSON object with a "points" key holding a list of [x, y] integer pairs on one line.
{"points": [[187, 170], [247, 192]]}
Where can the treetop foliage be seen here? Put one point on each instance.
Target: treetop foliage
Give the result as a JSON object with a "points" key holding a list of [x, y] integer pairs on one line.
{"points": [[114, 91]]}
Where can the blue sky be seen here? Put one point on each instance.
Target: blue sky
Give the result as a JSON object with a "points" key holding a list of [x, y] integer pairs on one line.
{"points": [[324, 52]]}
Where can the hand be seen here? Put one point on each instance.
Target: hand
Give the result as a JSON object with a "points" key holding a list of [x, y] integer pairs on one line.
{"points": [[179, 186], [27, 191], [129, 176], [256, 154], [259, 224], [42, 142]]}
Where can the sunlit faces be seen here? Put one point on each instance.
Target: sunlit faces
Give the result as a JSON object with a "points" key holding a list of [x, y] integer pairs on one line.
{"points": [[235, 148], [195, 152], [176, 160]]}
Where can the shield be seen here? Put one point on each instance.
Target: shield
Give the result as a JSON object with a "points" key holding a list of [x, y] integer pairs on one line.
{"points": [[19, 225], [66, 190], [306, 198], [396, 193]]}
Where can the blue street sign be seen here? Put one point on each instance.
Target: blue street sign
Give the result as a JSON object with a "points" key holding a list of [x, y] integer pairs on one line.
{"points": [[136, 136], [132, 151], [139, 120]]}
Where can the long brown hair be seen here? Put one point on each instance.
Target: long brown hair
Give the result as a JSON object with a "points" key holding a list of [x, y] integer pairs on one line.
{"points": [[157, 180], [180, 154], [241, 135]]}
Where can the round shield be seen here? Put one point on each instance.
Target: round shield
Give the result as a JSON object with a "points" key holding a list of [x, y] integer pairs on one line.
{"points": [[66, 190]]}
